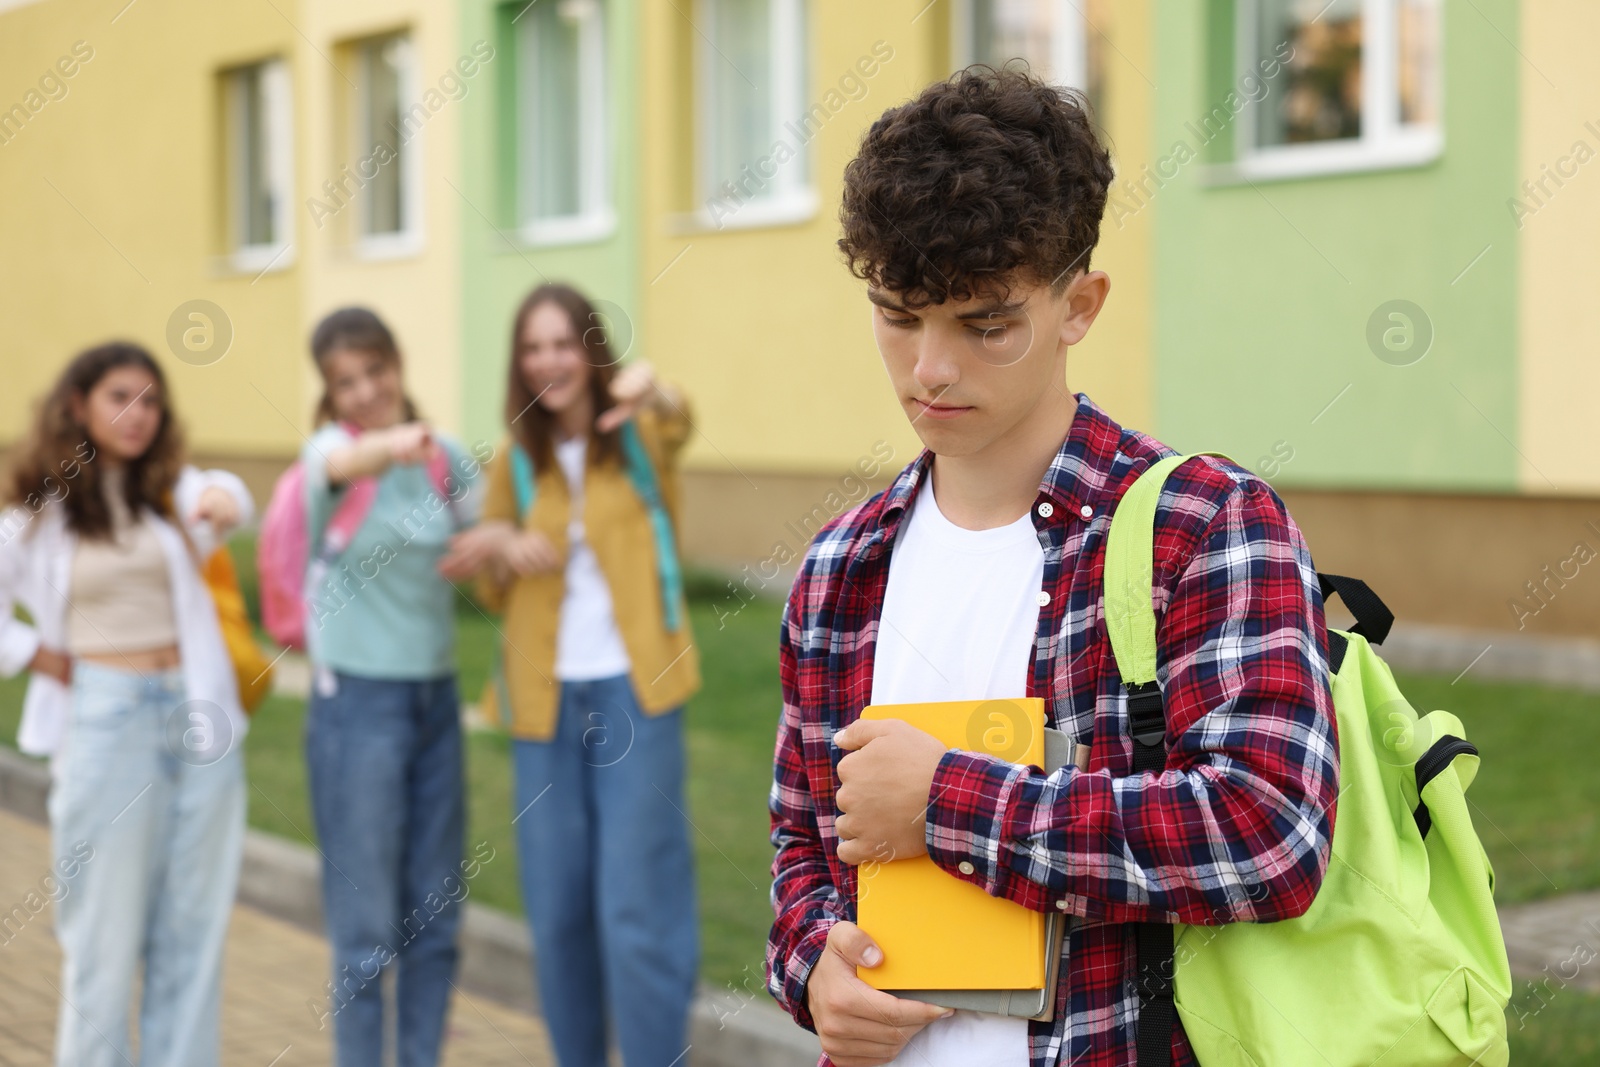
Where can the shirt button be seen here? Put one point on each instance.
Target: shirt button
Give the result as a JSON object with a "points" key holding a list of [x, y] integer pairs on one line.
{"points": [[1044, 598], [1046, 509], [964, 867], [1086, 511], [1061, 905]]}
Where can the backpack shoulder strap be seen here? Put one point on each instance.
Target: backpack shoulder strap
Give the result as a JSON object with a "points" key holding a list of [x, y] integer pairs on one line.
{"points": [[641, 470], [1130, 571], [350, 511], [348, 515], [522, 480], [1131, 625], [440, 476], [642, 473]]}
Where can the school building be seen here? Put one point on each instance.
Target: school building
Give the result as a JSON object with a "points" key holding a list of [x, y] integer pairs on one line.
{"points": [[1346, 239]]}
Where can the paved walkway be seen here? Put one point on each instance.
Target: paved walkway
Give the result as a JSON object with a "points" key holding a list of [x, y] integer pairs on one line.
{"points": [[273, 970], [1555, 941]]}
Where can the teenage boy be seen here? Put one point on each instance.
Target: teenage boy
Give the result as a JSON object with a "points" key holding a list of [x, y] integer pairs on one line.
{"points": [[971, 213]]}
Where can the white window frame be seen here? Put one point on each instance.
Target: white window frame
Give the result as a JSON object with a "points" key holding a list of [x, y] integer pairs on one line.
{"points": [[1069, 41], [791, 196], [1384, 142], [408, 240], [278, 119], [596, 217]]}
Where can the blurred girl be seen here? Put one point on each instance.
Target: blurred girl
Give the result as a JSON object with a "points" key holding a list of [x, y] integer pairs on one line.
{"points": [[383, 732], [598, 662], [134, 698]]}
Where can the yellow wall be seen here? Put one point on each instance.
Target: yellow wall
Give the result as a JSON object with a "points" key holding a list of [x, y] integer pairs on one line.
{"points": [[1560, 274], [418, 294], [1113, 363], [112, 213], [765, 327], [109, 209]]}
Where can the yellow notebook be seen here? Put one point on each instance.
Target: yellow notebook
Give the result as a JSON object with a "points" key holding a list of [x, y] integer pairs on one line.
{"points": [[938, 931]]}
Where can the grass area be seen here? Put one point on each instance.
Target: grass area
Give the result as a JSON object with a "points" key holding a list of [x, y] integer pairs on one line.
{"points": [[1535, 801], [1553, 1027]]}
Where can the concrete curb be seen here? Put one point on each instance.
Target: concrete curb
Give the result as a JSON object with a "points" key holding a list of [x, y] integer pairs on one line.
{"points": [[282, 879], [1556, 940], [1568, 662], [24, 785]]}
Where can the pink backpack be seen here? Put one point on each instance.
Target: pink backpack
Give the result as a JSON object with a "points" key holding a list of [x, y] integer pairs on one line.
{"points": [[284, 560]]}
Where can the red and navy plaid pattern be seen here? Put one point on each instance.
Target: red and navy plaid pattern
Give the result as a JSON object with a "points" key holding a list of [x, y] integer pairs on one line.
{"points": [[1236, 829]]}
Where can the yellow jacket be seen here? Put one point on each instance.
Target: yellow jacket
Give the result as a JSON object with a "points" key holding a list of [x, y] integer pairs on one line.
{"points": [[665, 667]]}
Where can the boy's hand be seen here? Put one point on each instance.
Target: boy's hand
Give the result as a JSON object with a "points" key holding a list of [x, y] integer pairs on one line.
{"points": [[883, 789], [860, 1026]]}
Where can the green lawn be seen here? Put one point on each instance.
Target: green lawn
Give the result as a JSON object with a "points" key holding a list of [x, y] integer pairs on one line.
{"points": [[730, 733], [1553, 1027], [1535, 799]]}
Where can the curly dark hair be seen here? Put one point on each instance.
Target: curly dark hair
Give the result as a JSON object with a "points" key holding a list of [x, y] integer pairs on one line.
{"points": [[57, 461], [987, 178]]}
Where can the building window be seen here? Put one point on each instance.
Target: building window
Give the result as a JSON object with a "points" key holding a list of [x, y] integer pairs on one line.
{"points": [[260, 165], [387, 152], [1353, 84], [753, 130], [563, 181], [1056, 38]]}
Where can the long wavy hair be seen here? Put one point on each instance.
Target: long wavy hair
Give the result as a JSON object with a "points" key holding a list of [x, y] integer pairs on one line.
{"points": [[359, 329], [58, 461], [531, 425]]}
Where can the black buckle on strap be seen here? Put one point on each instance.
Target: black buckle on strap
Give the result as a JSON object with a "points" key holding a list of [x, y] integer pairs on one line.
{"points": [[1147, 720]]}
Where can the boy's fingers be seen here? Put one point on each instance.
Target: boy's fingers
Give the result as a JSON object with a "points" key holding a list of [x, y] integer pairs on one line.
{"points": [[860, 732], [853, 945], [859, 1051], [889, 1011]]}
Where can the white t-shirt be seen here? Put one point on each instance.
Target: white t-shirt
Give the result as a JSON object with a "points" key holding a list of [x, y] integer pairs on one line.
{"points": [[959, 619], [588, 643]]}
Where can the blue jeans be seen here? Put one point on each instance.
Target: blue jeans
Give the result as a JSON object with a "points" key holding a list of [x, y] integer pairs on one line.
{"points": [[608, 877], [146, 843], [384, 762]]}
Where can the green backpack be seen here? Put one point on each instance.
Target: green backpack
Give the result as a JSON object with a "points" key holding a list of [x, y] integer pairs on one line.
{"points": [[1399, 961]]}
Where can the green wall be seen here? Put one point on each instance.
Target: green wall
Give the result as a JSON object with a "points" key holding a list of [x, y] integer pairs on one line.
{"points": [[1263, 290], [497, 269]]}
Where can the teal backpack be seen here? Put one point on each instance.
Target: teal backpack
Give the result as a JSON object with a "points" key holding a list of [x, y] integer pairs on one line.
{"points": [[642, 474], [1399, 961]]}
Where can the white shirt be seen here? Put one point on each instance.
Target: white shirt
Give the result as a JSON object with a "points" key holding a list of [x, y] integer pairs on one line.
{"points": [[588, 643], [959, 618], [36, 552]]}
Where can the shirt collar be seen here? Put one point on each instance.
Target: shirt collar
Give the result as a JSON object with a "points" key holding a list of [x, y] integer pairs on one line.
{"points": [[1078, 477]]}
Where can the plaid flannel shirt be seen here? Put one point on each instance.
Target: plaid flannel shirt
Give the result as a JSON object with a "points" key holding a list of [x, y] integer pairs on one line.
{"points": [[1238, 826]]}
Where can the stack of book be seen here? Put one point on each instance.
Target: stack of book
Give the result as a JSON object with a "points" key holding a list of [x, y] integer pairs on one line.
{"points": [[944, 940]]}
